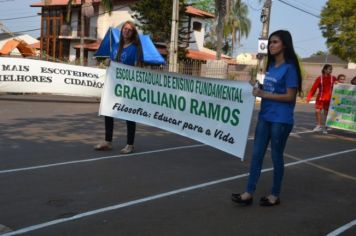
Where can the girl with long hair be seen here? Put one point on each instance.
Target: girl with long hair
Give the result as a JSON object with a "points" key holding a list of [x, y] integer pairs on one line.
{"points": [[282, 83], [324, 84], [129, 53]]}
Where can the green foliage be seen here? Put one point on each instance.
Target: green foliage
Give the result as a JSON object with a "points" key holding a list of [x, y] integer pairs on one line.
{"points": [[319, 53], [154, 18], [205, 5], [237, 24], [337, 23]]}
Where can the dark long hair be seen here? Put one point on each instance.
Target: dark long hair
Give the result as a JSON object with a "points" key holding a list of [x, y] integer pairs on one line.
{"points": [[135, 39], [289, 54], [325, 67]]}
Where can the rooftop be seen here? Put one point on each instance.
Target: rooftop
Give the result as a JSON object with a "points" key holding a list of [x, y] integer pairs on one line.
{"points": [[57, 3], [189, 10], [197, 12], [325, 59]]}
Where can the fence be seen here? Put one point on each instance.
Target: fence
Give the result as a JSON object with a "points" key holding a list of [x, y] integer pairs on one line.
{"points": [[210, 69]]}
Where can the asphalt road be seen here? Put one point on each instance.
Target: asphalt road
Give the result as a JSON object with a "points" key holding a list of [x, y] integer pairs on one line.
{"points": [[52, 182]]}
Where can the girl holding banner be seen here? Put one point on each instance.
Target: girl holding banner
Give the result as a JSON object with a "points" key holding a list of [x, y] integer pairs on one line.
{"points": [[282, 82], [129, 53]]}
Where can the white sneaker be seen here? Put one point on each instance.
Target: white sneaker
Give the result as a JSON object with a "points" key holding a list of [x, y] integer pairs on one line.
{"points": [[103, 146], [127, 149], [318, 128], [325, 131]]}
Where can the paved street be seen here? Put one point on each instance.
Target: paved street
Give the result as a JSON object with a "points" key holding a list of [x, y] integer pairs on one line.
{"points": [[52, 182]]}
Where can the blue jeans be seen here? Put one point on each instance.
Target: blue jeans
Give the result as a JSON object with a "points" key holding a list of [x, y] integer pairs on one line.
{"points": [[278, 134]]}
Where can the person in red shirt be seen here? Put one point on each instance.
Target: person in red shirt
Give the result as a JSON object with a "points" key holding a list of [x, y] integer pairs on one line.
{"points": [[324, 84]]}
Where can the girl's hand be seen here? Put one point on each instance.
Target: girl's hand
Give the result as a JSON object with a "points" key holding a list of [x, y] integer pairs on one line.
{"points": [[257, 92]]}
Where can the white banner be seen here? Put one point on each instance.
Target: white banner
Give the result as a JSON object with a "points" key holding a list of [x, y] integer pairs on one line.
{"points": [[342, 109], [215, 112], [19, 75]]}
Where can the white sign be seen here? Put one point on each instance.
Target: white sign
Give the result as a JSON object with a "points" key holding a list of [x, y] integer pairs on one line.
{"points": [[18, 75], [214, 112], [262, 46]]}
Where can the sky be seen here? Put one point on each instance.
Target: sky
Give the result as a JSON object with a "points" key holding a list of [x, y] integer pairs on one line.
{"points": [[20, 8], [304, 28], [307, 37]]}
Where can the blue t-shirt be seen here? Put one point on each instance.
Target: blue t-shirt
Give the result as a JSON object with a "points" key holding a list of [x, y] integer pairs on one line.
{"points": [[128, 55], [277, 80]]}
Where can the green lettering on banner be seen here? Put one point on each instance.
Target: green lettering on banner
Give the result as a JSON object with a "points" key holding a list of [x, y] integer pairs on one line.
{"points": [[345, 101], [345, 92], [214, 112], [124, 74], [118, 90], [149, 78], [218, 91], [167, 81], [346, 110], [167, 100], [348, 117]]}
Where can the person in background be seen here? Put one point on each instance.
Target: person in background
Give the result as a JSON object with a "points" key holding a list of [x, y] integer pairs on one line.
{"points": [[341, 78], [282, 82], [324, 84], [353, 81], [129, 53]]}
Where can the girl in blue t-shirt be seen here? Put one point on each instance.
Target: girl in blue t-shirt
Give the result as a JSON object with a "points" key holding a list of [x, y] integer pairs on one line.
{"points": [[281, 84], [129, 53]]}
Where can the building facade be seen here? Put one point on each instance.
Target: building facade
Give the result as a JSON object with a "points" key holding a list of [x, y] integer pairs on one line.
{"points": [[64, 45]]}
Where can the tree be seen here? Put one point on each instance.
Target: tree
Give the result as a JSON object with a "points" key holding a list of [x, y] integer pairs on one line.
{"points": [[205, 5], [220, 13], [86, 11], [319, 53], [237, 24], [158, 26], [338, 26], [228, 29]]}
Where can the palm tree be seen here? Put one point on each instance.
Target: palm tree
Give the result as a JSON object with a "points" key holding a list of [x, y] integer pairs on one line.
{"points": [[222, 8], [220, 12], [237, 23], [86, 11]]}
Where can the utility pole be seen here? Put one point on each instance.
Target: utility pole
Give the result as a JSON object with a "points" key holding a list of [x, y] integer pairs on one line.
{"points": [[82, 19], [265, 19], [173, 46]]}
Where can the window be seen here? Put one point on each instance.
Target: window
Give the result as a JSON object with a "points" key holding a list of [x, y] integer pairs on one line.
{"points": [[197, 26]]}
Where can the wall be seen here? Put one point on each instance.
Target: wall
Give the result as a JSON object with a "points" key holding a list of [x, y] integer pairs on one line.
{"points": [[116, 18], [197, 36], [314, 70]]}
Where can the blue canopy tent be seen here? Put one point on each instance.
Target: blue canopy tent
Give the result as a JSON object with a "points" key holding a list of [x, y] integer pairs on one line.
{"points": [[110, 43]]}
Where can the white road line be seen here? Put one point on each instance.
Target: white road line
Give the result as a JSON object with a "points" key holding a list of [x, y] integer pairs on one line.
{"points": [[342, 229], [323, 168], [109, 157], [98, 159], [302, 132], [161, 195]]}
